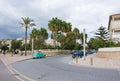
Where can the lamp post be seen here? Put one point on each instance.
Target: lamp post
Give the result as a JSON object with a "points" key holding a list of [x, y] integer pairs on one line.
{"points": [[84, 42]]}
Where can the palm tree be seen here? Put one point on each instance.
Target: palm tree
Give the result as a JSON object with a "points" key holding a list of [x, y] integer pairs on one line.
{"points": [[66, 27], [27, 22], [39, 36], [76, 31], [43, 33], [34, 35], [69, 27], [54, 26]]}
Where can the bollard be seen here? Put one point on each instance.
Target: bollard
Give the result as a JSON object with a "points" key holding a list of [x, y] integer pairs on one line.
{"points": [[91, 61], [76, 59]]}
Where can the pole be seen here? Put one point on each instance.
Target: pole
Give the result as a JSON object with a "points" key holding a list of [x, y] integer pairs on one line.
{"points": [[26, 41], [84, 42], [32, 45]]}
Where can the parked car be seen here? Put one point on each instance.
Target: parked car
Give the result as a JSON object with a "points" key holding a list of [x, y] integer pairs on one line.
{"points": [[91, 51], [38, 55], [77, 53]]}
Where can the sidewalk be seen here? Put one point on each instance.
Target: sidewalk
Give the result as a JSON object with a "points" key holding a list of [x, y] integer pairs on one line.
{"points": [[8, 59], [94, 61]]}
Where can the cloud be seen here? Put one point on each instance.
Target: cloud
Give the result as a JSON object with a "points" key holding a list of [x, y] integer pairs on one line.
{"points": [[81, 13]]}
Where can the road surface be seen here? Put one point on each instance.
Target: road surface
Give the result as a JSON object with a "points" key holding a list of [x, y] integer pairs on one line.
{"points": [[5, 74], [57, 68]]}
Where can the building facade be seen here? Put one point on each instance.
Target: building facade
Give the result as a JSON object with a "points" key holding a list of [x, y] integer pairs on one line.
{"points": [[114, 28]]}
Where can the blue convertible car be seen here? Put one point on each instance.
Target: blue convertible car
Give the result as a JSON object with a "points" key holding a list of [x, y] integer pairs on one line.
{"points": [[77, 53]]}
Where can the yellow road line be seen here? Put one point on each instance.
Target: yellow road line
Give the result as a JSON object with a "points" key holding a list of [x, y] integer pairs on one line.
{"points": [[13, 71], [21, 74]]}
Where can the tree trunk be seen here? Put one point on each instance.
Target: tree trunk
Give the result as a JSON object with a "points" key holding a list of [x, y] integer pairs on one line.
{"points": [[54, 37], [26, 41]]}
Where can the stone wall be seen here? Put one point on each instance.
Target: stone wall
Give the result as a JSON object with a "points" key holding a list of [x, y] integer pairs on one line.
{"points": [[55, 52], [111, 53], [49, 52]]}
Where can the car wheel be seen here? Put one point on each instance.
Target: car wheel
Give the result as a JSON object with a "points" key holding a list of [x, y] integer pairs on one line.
{"points": [[73, 56]]}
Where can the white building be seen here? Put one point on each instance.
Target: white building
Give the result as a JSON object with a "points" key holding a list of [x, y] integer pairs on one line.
{"points": [[114, 27], [51, 42], [23, 40]]}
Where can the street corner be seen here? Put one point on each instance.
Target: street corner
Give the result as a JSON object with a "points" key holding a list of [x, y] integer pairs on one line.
{"points": [[8, 59], [96, 62]]}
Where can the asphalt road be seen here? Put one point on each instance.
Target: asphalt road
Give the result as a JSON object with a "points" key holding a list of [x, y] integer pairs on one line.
{"points": [[5, 74], [57, 69]]}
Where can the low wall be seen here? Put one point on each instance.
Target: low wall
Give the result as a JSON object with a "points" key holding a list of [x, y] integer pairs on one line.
{"points": [[55, 52], [51, 52], [48, 52], [111, 53]]}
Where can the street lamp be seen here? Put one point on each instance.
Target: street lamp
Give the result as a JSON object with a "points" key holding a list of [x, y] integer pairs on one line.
{"points": [[84, 42]]}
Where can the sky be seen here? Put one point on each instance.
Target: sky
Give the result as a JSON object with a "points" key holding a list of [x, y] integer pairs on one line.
{"points": [[88, 14]]}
